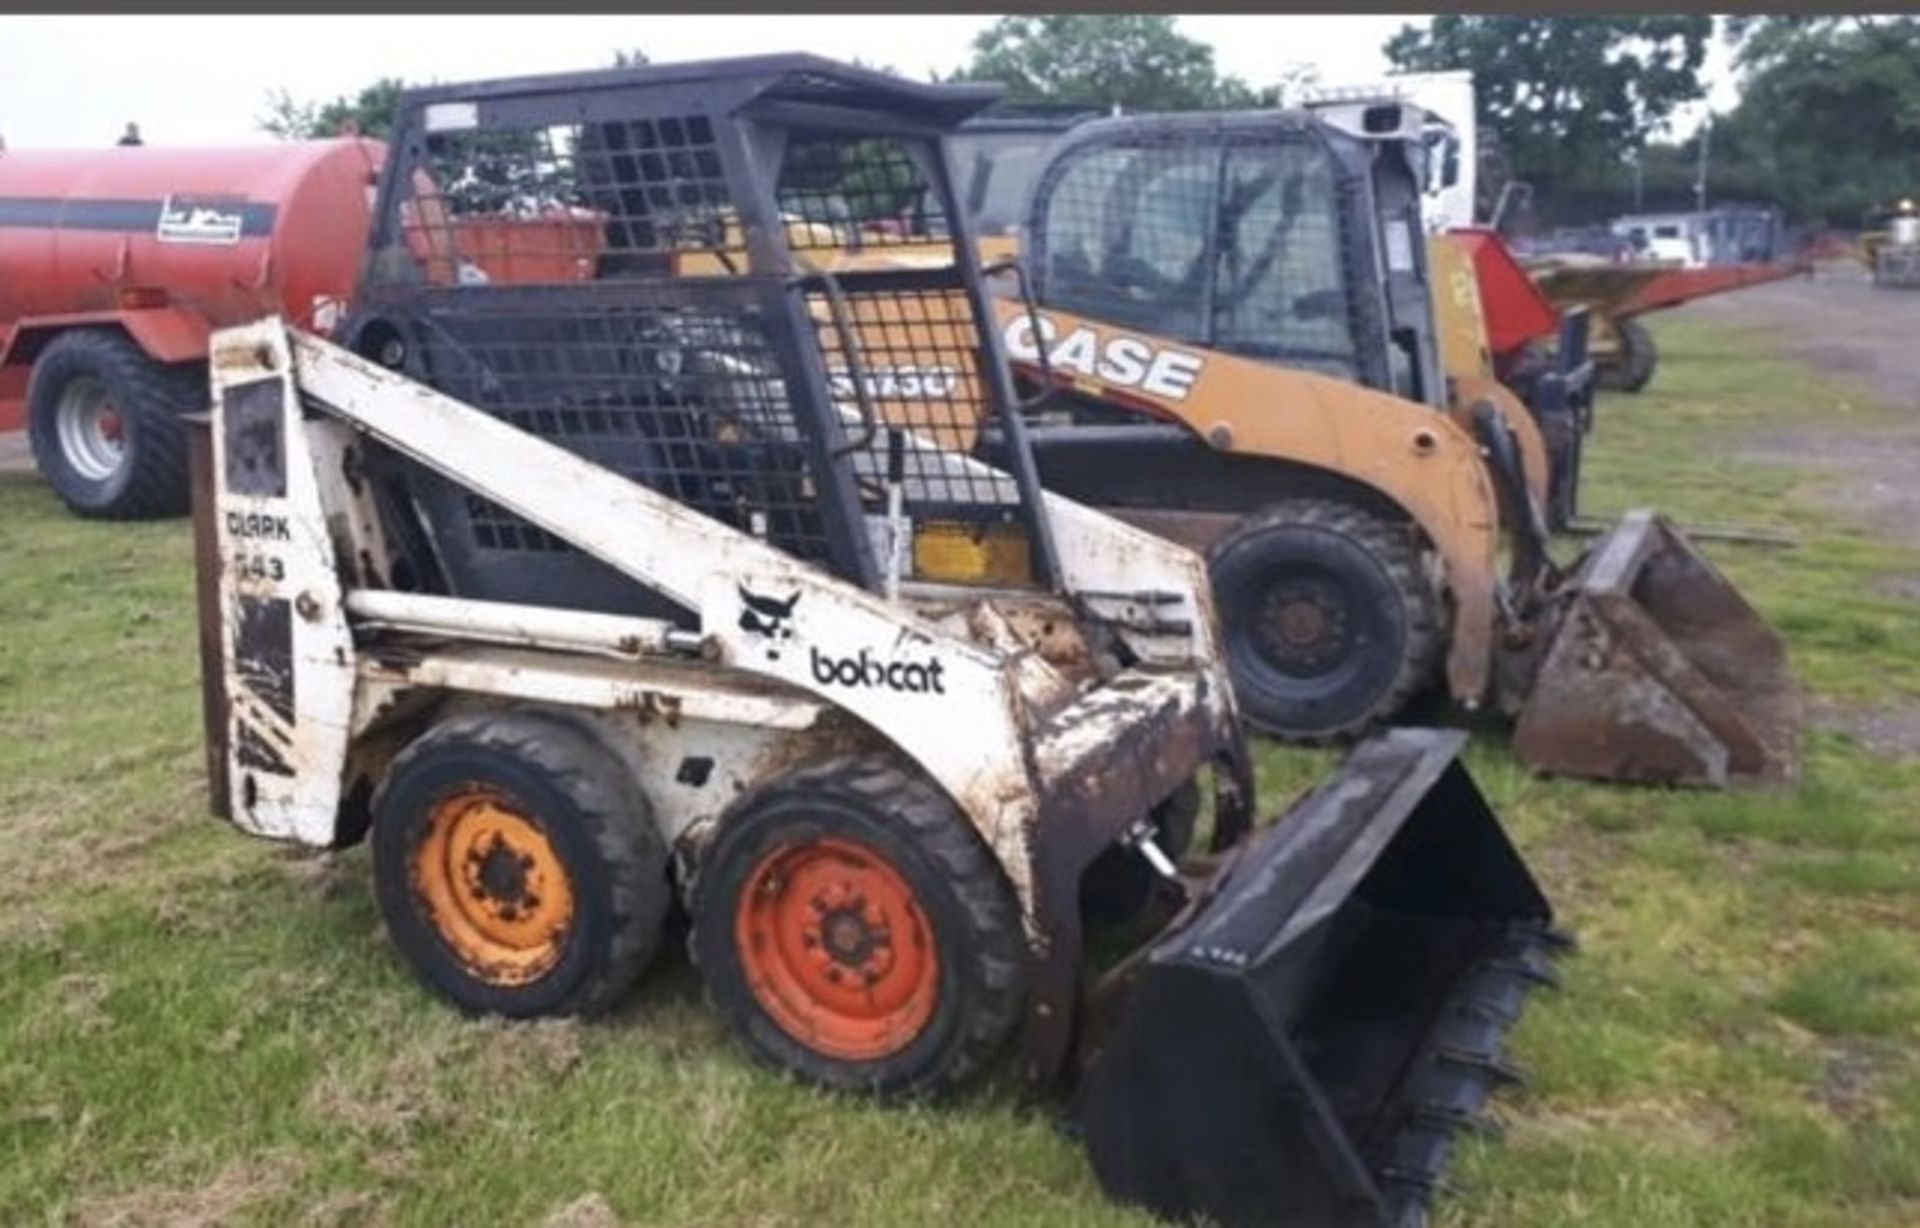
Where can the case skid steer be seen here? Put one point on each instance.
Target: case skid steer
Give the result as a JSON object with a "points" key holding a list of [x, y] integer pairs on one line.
{"points": [[1543, 390], [1231, 329], [587, 592]]}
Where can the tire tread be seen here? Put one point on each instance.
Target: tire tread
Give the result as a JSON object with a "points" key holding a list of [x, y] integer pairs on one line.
{"points": [[931, 822], [154, 395], [1640, 358], [1394, 547], [608, 803]]}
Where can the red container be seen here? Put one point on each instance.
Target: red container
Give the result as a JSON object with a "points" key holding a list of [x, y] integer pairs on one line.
{"points": [[170, 243]]}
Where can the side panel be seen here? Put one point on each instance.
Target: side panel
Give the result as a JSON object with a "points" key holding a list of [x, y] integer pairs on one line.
{"points": [[1459, 309], [288, 657], [763, 610], [697, 747], [165, 334]]}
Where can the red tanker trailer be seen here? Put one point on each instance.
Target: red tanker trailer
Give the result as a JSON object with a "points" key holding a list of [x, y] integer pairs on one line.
{"points": [[116, 264]]}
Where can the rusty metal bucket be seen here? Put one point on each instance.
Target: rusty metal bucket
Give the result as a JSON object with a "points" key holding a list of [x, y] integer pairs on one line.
{"points": [[1306, 1042], [1660, 672]]}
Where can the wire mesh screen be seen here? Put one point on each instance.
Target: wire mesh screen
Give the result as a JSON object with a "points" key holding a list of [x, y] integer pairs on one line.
{"points": [[568, 202], [1240, 246], [908, 361], [841, 193], [600, 283], [675, 385], [581, 202]]}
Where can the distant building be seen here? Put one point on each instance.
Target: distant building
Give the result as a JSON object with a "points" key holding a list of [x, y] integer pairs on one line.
{"points": [[1726, 235], [131, 136]]}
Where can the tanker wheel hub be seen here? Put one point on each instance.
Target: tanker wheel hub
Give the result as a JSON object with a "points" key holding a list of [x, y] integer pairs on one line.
{"points": [[92, 434]]}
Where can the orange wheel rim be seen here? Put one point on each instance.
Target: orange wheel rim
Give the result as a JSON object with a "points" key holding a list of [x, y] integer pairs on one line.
{"points": [[837, 950], [494, 887]]}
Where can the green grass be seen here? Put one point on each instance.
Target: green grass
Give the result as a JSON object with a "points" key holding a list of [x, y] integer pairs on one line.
{"points": [[199, 1027]]}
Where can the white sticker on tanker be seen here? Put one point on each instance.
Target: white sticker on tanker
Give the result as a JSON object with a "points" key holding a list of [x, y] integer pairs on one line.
{"points": [[1128, 362], [186, 220]]}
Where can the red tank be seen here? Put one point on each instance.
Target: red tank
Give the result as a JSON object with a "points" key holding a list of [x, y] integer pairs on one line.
{"points": [[170, 243]]}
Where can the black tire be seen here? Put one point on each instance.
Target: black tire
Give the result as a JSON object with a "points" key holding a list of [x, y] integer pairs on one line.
{"points": [[594, 820], [1639, 358], [147, 479], [1370, 640], [977, 989]]}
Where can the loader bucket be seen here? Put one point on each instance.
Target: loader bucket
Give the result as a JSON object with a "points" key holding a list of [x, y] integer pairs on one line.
{"points": [[1305, 1044], [1660, 672]]}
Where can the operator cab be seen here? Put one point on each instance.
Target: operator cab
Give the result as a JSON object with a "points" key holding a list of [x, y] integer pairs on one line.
{"points": [[1274, 235], [635, 264], [997, 156]]}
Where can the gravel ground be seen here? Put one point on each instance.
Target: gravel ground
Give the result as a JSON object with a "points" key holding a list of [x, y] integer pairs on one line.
{"points": [[1840, 323]]}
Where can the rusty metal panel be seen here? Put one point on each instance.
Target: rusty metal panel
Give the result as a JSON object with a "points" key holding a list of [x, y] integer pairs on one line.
{"points": [[1104, 763], [285, 649], [1660, 672]]}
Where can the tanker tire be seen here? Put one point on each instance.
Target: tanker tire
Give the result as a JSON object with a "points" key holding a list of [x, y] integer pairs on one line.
{"points": [[1327, 547], [149, 480], [1639, 358], [905, 823]]}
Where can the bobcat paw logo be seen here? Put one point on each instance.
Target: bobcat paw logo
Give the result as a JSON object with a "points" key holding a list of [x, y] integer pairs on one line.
{"points": [[767, 617]]}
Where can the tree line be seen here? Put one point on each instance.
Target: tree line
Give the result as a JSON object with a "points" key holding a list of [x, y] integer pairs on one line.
{"points": [[1581, 107]]}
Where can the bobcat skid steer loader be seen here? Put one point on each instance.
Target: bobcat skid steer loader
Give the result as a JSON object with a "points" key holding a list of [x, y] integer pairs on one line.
{"points": [[576, 597]]}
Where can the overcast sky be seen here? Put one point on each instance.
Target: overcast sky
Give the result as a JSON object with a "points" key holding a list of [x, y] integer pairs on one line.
{"points": [[74, 81]]}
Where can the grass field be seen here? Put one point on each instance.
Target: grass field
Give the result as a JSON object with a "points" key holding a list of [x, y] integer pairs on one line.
{"points": [[195, 1027]]}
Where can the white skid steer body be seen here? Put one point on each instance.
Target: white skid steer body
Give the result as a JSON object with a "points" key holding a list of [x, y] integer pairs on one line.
{"points": [[1000, 696]]}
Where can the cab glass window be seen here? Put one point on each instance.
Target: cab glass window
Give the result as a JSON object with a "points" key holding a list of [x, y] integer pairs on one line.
{"points": [[1127, 237], [1281, 289]]}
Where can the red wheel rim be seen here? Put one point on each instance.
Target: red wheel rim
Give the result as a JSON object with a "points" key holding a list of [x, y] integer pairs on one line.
{"points": [[837, 950]]}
